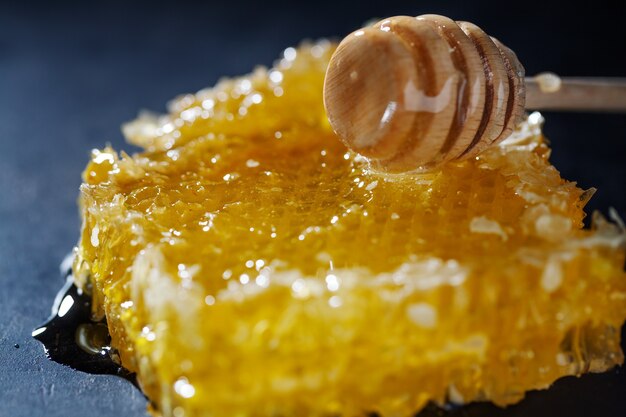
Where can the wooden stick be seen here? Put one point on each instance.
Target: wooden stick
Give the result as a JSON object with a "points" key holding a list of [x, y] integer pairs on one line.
{"points": [[411, 93], [547, 91]]}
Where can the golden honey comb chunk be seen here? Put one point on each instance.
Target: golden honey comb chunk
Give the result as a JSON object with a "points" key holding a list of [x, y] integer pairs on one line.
{"points": [[249, 265]]}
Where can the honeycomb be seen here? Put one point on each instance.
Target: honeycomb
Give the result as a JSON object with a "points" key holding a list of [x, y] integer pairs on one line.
{"points": [[249, 265]]}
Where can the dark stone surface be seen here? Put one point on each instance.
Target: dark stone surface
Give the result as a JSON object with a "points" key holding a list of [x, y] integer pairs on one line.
{"points": [[70, 74]]}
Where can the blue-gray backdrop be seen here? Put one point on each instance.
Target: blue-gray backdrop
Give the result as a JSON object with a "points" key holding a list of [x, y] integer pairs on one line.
{"points": [[72, 72]]}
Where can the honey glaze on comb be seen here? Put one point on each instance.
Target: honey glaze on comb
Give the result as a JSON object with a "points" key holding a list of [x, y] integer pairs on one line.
{"points": [[255, 217]]}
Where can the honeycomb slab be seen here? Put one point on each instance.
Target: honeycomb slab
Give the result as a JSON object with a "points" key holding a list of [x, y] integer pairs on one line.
{"points": [[249, 265]]}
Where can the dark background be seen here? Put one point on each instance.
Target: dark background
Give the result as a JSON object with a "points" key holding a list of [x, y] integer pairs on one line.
{"points": [[71, 73]]}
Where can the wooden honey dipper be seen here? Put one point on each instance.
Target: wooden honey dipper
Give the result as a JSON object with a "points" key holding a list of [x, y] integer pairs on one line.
{"points": [[416, 92]]}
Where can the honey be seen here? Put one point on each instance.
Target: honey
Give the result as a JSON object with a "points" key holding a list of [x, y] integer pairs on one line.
{"points": [[248, 264]]}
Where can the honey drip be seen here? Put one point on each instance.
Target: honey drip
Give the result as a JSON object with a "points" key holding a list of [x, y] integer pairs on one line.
{"points": [[73, 338]]}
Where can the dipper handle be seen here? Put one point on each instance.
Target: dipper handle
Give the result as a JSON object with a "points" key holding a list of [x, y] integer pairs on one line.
{"points": [[547, 91]]}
